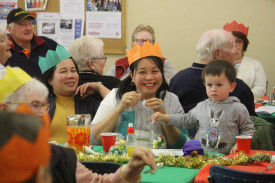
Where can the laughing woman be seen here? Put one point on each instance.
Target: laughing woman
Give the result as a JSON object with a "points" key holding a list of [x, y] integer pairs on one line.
{"points": [[60, 75], [138, 97]]}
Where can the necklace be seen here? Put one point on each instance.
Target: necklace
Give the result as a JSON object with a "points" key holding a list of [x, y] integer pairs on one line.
{"points": [[65, 103]]}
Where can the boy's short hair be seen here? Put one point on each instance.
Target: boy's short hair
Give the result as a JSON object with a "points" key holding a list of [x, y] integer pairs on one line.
{"points": [[217, 67]]}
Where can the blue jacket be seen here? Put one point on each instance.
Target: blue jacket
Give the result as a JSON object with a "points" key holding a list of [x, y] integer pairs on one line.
{"points": [[39, 47]]}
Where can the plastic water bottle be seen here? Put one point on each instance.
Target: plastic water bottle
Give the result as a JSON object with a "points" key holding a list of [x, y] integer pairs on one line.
{"points": [[131, 139]]}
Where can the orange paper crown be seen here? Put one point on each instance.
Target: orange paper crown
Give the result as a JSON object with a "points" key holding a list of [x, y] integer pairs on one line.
{"points": [[234, 26], [21, 156], [146, 50]]}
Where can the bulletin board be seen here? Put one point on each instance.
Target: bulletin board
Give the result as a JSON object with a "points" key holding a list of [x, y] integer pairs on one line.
{"points": [[111, 46]]}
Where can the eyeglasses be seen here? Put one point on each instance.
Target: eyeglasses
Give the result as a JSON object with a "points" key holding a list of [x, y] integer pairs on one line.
{"points": [[105, 59], [238, 42], [142, 41], [35, 105]]}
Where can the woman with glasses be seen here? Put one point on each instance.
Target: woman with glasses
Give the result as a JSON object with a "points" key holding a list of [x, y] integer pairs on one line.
{"points": [[63, 163], [249, 70], [60, 75], [88, 54], [23, 90], [141, 34]]}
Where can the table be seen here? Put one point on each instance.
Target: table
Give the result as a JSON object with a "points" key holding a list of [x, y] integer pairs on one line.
{"points": [[201, 177], [165, 174], [177, 174]]}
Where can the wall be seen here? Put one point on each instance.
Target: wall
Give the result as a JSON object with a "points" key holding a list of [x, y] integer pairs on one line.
{"points": [[179, 24]]}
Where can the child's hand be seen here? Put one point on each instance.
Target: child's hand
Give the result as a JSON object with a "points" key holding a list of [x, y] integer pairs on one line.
{"points": [[157, 116], [234, 149]]}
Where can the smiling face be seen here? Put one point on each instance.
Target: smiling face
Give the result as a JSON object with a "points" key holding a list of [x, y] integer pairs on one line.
{"points": [[22, 31], [5, 46], [147, 78], [218, 87], [65, 78]]}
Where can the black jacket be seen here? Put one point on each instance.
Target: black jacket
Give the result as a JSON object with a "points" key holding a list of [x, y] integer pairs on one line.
{"points": [[39, 47], [109, 82], [85, 106], [63, 164]]}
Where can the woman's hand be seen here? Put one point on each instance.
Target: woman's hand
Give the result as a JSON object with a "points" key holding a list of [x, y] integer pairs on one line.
{"points": [[234, 149], [129, 99], [86, 89], [141, 156], [156, 104]]}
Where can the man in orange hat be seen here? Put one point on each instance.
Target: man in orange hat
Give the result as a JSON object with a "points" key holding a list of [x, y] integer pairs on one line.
{"points": [[26, 46]]}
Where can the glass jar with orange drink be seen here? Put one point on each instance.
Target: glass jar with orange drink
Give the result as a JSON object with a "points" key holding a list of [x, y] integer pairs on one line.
{"points": [[78, 130]]}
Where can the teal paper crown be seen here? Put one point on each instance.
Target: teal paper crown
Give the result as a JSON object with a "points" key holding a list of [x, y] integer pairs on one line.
{"points": [[53, 58]]}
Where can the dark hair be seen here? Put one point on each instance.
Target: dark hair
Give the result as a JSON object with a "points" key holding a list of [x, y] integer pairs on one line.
{"points": [[217, 67], [243, 37], [127, 86], [48, 75]]}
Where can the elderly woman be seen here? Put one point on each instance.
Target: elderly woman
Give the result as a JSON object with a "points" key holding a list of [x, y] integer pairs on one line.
{"points": [[141, 34], [249, 70], [5, 46], [64, 164], [60, 75], [88, 54]]}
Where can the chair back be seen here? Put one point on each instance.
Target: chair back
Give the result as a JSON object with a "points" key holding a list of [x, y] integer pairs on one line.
{"points": [[220, 174], [101, 167]]}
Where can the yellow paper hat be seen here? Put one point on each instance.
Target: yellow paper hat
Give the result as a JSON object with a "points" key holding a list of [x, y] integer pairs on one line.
{"points": [[146, 50], [13, 79]]}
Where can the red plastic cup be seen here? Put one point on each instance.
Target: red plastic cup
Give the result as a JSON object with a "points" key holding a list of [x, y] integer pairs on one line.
{"points": [[108, 140], [244, 143]]}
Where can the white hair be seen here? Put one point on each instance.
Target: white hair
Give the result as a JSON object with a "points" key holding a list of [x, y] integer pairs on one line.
{"points": [[11, 25], [84, 49], [2, 31], [30, 88], [211, 40]]}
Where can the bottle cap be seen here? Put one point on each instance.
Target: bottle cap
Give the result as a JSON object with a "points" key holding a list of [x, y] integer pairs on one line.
{"points": [[131, 128]]}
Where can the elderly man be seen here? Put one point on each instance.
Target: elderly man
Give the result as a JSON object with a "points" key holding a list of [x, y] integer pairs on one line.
{"points": [[188, 85], [26, 46]]}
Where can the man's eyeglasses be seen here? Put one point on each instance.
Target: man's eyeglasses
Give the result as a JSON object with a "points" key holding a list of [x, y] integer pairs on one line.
{"points": [[35, 105], [105, 59], [142, 41]]}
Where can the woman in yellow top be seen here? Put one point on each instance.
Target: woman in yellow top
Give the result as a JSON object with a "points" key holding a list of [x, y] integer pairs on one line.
{"points": [[60, 75]]}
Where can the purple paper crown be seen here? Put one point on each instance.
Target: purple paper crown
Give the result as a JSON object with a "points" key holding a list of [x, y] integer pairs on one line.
{"points": [[192, 145]]}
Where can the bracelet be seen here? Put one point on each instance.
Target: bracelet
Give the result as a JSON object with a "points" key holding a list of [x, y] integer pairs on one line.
{"points": [[122, 174], [97, 85]]}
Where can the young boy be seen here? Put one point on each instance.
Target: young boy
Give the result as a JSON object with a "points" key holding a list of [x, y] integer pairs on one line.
{"points": [[220, 117]]}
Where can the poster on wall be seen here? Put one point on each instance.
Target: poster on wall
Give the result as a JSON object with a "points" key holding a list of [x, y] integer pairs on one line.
{"points": [[103, 18], [34, 5], [48, 25], [5, 7], [62, 29]]}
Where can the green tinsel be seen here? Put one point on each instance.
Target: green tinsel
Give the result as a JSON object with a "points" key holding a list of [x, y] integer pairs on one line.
{"points": [[183, 161]]}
